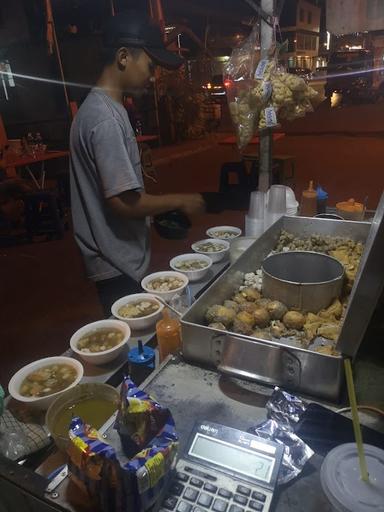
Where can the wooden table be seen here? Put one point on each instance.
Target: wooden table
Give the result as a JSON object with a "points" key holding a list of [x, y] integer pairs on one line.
{"points": [[231, 140], [25, 161]]}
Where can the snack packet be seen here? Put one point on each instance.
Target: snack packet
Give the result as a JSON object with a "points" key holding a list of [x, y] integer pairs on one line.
{"points": [[130, 471]]}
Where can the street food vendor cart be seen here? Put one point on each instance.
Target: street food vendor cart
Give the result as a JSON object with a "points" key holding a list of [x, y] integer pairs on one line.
{"points": [[215, 384]]}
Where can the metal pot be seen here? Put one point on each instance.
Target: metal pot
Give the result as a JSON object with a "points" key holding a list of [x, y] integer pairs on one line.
{"points": [[306, 281]]}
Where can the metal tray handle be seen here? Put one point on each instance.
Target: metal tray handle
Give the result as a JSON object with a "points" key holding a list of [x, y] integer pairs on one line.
{"points": [[258, 360]]}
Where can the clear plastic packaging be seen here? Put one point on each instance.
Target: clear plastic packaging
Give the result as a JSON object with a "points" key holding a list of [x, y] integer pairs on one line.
{"points": [[260, 93]]}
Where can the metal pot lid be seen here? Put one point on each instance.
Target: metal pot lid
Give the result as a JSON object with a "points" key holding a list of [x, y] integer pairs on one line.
{"points": [[367, 288]]}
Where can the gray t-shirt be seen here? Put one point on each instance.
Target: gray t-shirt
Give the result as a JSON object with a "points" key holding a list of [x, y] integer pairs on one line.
{"points": [[105, 162]]}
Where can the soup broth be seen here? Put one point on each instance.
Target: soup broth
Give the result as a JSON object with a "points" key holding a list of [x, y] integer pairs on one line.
{"points": [[48, 380], [94, 411]]}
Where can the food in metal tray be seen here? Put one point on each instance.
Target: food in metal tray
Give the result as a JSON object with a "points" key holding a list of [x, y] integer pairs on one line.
{"points": [[139, 309], [48, 380], [100, 340], [248, 312], [165, 284], [193, 264]]}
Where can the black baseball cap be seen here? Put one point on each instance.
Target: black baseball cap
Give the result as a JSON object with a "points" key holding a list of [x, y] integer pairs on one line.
{"points": [[133, 29]]}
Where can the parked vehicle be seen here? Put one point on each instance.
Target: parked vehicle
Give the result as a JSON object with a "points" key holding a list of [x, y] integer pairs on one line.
{"points": [[215, 87]]}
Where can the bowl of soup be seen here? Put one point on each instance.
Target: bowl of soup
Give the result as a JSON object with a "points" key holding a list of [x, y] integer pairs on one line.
{"points": [[165, 284], [194, 266], [93, 402], [139, 310], [39, 383], [224, 232], [215, 248], [101, 342]]}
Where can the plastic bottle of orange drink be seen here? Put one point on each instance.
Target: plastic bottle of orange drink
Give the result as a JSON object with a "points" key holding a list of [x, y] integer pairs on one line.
{"points": [[168, 334]]}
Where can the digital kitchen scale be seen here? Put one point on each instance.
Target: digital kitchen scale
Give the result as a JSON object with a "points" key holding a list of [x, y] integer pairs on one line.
{"points": [[224, 470]]}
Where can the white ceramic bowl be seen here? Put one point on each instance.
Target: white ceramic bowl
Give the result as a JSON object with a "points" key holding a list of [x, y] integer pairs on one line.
{"points": [[44, 401], [142, 322], [164, 295], [212, 232], [193, 275], [215, 256], [106, 355]]}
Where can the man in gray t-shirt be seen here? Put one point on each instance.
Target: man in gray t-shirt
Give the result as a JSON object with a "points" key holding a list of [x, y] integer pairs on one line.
{"points": [[109, 205]]}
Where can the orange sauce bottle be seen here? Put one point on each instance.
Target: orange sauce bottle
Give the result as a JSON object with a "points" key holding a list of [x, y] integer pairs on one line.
{"points": [[168, 332], [308, 207]]}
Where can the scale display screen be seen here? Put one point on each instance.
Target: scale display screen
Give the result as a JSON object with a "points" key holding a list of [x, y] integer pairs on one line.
{"points": [[235, 458]]}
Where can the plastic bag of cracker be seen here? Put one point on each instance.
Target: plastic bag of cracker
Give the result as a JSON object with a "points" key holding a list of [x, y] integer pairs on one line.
{"points": [[244, 105]]}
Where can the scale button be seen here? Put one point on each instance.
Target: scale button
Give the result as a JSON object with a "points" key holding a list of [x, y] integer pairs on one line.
{"points": [[256, 505], [170, 503], [225, 494], [200, 473], [196, 482], [210, 488], [235, 508], [184, 507], [205, 500], [182, 476], [240, 499], [219, 505], [241, 489], [259, 496], [177, 488], [190, 494]]}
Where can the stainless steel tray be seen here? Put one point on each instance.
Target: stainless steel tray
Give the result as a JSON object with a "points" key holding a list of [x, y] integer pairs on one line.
{"points": [[272, 362]]}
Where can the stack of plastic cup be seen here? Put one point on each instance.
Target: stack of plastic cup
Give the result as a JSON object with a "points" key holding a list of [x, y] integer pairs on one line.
{"points": [[277, 205], [292, 203], [254, 221]]}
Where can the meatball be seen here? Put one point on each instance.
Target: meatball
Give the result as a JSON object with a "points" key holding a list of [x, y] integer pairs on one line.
{"points": [[276, 309], [261, 317], [246, 317], [250, 294], [239, 299], [249, 307], [294, 320], [220, 314], [231, 304]]}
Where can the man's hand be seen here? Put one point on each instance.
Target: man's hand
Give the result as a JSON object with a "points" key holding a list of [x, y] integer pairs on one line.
{"points": [[192, 204]]}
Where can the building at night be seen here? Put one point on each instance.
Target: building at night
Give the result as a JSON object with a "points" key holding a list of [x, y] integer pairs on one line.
{"points": [[300, 26]]}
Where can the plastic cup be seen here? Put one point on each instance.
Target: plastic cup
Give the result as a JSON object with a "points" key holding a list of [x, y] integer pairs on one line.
{"points": [[342, 483], [277, 205], [277, 202], [257, 205], [253, 227]]}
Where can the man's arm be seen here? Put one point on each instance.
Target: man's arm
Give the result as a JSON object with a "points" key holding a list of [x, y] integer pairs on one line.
{"points": [[134, 205]]}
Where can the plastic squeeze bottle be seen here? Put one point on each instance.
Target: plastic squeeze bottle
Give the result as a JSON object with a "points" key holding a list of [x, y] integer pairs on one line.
{"points": [[168, 335], [308, 207], [322, 197]]}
